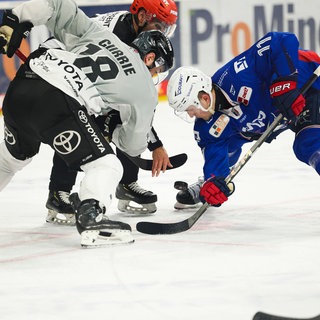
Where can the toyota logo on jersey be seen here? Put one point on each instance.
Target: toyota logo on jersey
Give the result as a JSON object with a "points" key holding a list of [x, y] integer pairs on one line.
{"points": [[82, 116], [66, 142]]}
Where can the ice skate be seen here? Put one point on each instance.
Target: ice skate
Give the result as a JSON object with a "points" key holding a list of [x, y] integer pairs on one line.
{"points": [[189, 198], [135, 200], [95, 228], [59, 208]]}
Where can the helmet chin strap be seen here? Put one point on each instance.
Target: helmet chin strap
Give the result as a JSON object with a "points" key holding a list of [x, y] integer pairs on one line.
{"points": [[211, 109], [136, 20], [140, 29]]}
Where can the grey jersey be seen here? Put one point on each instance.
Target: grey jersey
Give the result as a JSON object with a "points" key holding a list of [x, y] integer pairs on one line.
{"points": [[95, 56]]}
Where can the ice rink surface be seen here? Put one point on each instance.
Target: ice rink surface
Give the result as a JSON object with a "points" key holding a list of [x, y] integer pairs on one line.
{"points": [[260, 251]]}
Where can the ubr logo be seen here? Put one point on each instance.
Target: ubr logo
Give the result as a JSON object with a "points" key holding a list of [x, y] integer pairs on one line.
{"points": [[66, 142]]}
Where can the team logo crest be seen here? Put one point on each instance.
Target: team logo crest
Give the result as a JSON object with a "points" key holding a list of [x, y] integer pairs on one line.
{"points": [[240, 65]]}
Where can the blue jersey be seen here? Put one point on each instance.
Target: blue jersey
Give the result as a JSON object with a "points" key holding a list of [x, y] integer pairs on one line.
{"points": [[245, 82]]}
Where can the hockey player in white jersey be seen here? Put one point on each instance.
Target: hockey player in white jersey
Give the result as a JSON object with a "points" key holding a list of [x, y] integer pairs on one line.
{"points": [[97, 74], [132, 198]]}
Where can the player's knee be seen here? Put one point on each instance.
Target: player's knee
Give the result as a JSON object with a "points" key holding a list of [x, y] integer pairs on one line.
{"points": [[108, 162], [307, 147], [101, 179], [314, 161], [8, 162]]}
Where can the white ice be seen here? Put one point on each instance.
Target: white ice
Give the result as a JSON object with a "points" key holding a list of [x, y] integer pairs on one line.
{"points": [[260, 251]]}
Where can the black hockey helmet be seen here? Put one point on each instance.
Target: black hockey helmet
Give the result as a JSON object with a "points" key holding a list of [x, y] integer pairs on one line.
{"points": [[155, 41]]}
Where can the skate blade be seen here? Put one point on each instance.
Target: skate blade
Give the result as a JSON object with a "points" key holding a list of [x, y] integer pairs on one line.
{"points": [[181, 206], [62, 219], [128, 208], [98, 238]]}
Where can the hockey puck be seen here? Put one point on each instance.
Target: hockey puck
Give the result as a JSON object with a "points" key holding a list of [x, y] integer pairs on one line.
{"points": [[181, 185]]}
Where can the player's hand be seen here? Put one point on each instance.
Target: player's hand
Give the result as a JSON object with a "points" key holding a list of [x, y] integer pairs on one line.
{"points": [[215, 191], [112, 120], [13, 32], [287, 97], [160, 161]]}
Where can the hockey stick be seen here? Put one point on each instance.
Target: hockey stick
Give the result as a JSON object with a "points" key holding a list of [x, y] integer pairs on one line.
{"points": [[144, 164], [265, 316], [176, 227], [22, 57]]}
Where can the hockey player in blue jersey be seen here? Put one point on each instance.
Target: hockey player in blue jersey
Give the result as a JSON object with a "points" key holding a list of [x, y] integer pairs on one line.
{"points": [[240, 101]]}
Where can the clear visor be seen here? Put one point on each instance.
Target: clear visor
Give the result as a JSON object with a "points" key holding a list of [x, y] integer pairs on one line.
{"points": [[158, 77], [189, 115], [156, 24], [184, 116], [159, 70]]}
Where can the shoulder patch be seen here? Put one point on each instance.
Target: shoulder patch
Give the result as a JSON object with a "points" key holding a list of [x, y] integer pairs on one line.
{"points": [[219, 125], [244, 95]]}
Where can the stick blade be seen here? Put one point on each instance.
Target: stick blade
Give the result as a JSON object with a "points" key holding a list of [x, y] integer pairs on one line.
{"points": [[266, 316], [171, 228], [146, 164], [155, 228], [176, 161]]}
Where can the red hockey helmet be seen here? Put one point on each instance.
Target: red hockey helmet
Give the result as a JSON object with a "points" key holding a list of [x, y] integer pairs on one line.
{"points": [[164, 11]]}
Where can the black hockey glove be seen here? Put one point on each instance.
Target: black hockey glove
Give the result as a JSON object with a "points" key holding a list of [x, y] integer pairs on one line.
{"points": [[110, 123], [287, 97], [12, 32]]}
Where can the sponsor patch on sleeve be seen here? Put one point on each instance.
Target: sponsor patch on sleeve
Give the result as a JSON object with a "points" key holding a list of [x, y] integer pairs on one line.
{"points": [[244, 95], [219, 125]]}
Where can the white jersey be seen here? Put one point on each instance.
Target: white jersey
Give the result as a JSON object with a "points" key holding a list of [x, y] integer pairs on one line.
{"points": [[95, 56], [109, 19]]}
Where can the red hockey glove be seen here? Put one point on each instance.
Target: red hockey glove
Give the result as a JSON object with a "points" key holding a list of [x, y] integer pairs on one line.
{"points": [[287, 97], [215, 191]]}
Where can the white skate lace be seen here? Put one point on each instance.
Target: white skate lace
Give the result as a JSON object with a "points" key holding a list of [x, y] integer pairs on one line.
{"points": [[194, 189], [64, 196], [136, 188]]}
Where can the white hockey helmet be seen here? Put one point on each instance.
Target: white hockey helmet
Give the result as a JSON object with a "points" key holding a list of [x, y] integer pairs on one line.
{"points": [[183, 89]]}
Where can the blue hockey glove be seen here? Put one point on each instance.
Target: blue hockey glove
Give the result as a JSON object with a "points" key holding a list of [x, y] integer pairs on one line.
{"points": [[287, 97], [215, 191], [12, 32]]}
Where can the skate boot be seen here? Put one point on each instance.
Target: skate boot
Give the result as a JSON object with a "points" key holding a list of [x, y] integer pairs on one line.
{"points": [[135, 200], [59, 208], [189, 198], [94, 226]]}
